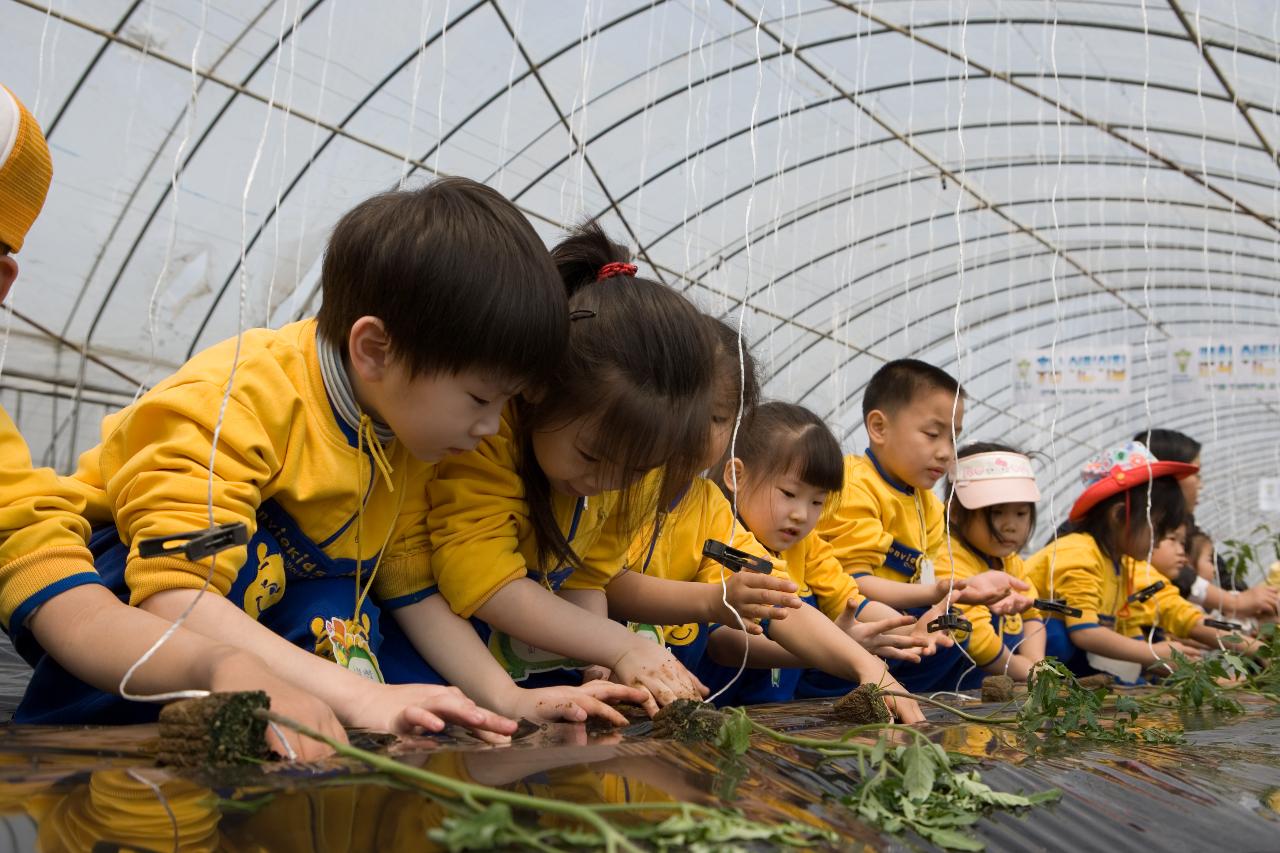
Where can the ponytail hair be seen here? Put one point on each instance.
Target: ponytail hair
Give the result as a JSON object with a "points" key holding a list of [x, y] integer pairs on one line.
{"points": [[638, 368]]}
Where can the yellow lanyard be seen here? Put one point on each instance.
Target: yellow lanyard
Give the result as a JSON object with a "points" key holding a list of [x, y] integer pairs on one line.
{"points": [[366, 436]]}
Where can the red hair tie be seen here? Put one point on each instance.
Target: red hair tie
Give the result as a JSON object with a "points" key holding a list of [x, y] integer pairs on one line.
{"points": [[615, 268]]}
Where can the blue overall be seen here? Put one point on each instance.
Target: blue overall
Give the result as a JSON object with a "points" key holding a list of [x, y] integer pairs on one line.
{"points": [[287, 583]]}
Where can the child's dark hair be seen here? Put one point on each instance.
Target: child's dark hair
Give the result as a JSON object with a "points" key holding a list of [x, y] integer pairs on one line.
{"points": [[456, 274], [736, 381], [639, 367], [960, 514], [785, 438], [1168, 513], [1169, 445], [897, 384]]}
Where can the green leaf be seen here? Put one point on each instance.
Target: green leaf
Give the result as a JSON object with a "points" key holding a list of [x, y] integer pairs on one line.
{"points": [[735, 732], [918, 773], [952, 840]]}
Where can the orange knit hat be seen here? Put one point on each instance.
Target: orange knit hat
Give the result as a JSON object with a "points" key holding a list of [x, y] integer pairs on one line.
{"points": [[25, 170]]}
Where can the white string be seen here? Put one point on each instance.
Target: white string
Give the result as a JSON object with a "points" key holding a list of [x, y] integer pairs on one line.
{"points": [[742, 371], [164, 803], [444, 66], [424, 24], [226, 395], [955, 327]]}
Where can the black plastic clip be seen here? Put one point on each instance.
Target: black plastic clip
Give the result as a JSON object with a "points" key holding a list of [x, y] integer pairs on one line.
{"points": [[950, 621], [1223, 625], [1145, 593], [1056, 605], [735, 560], [197, 544]]}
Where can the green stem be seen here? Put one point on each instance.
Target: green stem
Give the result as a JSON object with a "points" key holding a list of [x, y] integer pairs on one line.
{"points": [[613, 840], [964, 715]]}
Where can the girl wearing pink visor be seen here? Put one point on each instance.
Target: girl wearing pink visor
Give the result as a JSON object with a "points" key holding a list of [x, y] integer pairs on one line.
{"points": [[992, 514]]}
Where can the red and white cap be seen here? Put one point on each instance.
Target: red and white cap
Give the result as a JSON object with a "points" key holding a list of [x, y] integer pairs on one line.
{"points": [[998, 477]]}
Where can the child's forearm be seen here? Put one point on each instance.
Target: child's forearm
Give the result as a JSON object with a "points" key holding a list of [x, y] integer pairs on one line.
{"points": [[725, 648], [542, 619], [899, 594], [74, 627], [820, 643], [220, 621], [452, 647], [1105, 642], [1033, 640], [636, 597]]}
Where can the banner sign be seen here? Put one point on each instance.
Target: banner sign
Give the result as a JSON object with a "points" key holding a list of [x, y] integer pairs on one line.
{"points": [[1240, 367], [1095, 371]]}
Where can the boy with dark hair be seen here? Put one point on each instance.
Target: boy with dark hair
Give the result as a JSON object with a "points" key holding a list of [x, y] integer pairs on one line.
{"points": [[889, 524], [52, 603], [439, 304]]}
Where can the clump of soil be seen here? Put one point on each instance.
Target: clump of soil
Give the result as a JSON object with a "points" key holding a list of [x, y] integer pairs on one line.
{"points": [[688, 721], [861, 706], [1101, 679], [997, 688], [216, 731]]}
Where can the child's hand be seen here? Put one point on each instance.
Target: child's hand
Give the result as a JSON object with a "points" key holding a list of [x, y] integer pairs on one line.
{"points": [[1014, 602], [243, 671], [876, 638], [650, 666], [1164, 651], [757, 596], [931, 640], [987, 588], [408, 708], [574, 704], [595, 672], [904, 710], [1260, 600]]}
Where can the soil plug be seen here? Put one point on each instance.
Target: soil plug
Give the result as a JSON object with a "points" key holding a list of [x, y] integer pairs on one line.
{"points": [[861, 706], [997, 688], [218, 730], [688, 721]]}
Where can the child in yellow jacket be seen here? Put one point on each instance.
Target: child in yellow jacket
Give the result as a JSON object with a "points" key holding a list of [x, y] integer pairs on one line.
{"points": [[784, 473], [528, 529], [1087, 567], [321, 439], [53, 604], [992, 515]]}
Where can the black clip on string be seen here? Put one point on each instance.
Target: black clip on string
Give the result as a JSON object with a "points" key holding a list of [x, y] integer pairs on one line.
{"points": [[950, 621], [197, 544], [1223, 625], [1145, 593], [1056, 605], [735, 560]]}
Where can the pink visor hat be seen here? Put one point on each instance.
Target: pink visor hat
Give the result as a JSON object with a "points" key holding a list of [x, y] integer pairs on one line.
{"points": [[986, 479]]}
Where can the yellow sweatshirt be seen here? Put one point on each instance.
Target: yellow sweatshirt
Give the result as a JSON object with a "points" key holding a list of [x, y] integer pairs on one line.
{"points": [[482, 537], [820, 576], [1166, 609], [42, 533], [882, 526], [283, 460], [958, 559], [1083, 576], [702, 513]]}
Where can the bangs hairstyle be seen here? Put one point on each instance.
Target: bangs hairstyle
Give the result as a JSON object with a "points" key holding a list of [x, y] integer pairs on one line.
{"points": [[457, 276], [960, 514], [735, 381], [1169, 445], [1168, 513], [899, 383], [782, 439], [639, 369]]}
